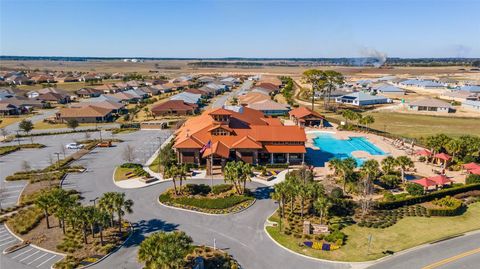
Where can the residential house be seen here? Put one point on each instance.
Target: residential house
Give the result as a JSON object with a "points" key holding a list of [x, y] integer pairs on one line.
{"points": [[270, 107], [203, 93], [460, 96], [25, 104], [88, 92], [53, 97], [150, 90], [471, 105], [303, 116], [252, 97], [174, 107], [18, 80], [421, 84], [430, 105], [7, 109], [362, 99], [187, 97], [388, 89], [470, 88], [222, 135], [115, 107], [267, 88], [85, 114]]}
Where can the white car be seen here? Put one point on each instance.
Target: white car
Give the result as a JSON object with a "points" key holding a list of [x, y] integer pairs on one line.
{"points": [[74, 146]]}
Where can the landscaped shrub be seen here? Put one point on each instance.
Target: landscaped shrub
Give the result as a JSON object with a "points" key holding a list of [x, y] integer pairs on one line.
{"points": [[335, 236], [205, 203], [277, 165], [415, 189], [26, 220], [336, 193], [130, 165], [473, 179], [428, 197], [447, 206], [197, 189], [221, 188]]}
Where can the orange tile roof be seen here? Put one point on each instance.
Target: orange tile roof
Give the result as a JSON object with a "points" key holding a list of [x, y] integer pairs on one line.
{"points": [[285, 149], [301, 112], [219, 149], [248, 123], [247, 143]]}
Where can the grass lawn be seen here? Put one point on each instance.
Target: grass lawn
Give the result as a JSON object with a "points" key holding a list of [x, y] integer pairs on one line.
{"points": [[406, 233], [417, 126], [4, 122], [121, 173], [45, 125]]}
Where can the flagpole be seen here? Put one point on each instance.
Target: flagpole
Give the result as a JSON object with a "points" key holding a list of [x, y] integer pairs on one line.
{"points": [[211, 169]]}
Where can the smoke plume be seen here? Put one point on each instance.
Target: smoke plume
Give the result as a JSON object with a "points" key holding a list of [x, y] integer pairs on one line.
{"points": [[374, 56]]}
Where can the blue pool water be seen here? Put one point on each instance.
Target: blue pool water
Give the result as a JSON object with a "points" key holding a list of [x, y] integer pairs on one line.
{"points": [[331, 147]]}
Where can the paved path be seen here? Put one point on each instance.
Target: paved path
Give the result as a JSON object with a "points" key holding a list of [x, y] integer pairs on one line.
{"points": [[12, 128]]}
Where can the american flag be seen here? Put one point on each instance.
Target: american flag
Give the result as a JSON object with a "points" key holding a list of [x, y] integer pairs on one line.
{"points": [[206, 146]]}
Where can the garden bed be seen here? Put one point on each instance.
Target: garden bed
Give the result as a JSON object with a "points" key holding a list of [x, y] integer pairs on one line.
{"points": [[408, 232], [213, 202]]}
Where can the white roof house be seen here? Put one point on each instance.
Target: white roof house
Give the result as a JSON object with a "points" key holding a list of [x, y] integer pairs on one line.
{"points": [[191, 98], [431, 105], [362, 99], [386, 88], [471, 104]]}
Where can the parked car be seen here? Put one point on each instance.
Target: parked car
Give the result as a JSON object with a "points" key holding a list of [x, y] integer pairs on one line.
{"points": [[74, 146], [105, 144]]}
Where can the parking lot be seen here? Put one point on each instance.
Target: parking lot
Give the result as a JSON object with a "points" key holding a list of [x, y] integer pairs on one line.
{"points": [[31, 256]]}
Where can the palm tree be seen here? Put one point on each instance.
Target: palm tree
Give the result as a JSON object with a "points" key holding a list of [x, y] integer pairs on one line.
{"points": [[322, 205], [403, 163], [279, 194], [368, 119], [106, 203], [388, 164], [46, 203], [232, 173], [246, 172], [165, 250], [345, 168], [335, 165], [454, 147], [370, 170], [90, 218], [63, 202], [81, 214], [102, 219], [182, 174], [174, 172], [122, 206]]}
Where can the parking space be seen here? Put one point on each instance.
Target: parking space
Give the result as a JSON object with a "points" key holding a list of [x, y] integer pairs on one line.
{"points": [[30, 255]]}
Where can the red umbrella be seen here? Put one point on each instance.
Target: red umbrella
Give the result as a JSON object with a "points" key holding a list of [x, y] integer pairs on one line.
{"points": [[440, 179], [471, 166], [425, 182], [423, 152], [443, 156], [475, 171]]}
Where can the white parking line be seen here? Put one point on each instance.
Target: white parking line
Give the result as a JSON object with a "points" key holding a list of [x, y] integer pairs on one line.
{"points": [[29, 256], [11, 191], [45, 254], [18, 255], [2, 236], [8, 242], [46, 261], [2, 231], [6, 238], [14, 187]]}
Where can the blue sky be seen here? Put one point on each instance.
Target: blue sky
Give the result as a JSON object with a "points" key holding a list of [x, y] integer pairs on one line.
{"points": [[240, 28]]}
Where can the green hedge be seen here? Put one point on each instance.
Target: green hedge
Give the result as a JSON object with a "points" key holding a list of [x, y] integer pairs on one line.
{"points": [[428, 197], [473, 179], [134, 125], [57, 133], [277, 165], [217, 189], [131, 165], [205, 203], [9, 149]]}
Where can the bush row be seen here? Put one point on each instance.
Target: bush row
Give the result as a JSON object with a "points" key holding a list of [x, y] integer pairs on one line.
{"points": [[428, 197], [57, 133], [205, 203], [9, 149]]}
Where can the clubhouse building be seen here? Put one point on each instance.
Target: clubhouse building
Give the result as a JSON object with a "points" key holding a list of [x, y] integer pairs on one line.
{"points": [[245, 134]]}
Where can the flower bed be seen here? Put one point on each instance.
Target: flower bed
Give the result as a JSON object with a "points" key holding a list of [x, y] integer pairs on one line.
{"points": [[213, 204]]}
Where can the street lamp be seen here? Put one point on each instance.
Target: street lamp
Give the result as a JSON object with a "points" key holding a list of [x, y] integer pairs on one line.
{"points": [[58, 159], [18, 137], [93, 200]]}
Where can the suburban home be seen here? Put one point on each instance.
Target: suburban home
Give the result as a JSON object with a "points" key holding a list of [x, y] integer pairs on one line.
{"points": [[460, 96], [362, 99], [25, 104], [470, 88], [43, 79], [18, 80], [150, 90], [53, 97], [88, 92], [273, 80], [267, 88], [174, 107], [471, 104], [222, 135], [421, 84], [334, 94], [388, 89], [303, 116], [205, 79], [9, 109], [108, 88], [252, 97], [115, 107], [187, 97], [270, 107], [431, 105], [84, 114], [204, 93]]}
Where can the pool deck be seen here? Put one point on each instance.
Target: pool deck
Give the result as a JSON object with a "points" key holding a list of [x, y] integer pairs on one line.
{"points": [[422, 169]]}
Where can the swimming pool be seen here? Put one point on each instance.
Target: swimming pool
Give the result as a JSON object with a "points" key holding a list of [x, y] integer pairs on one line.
{"points": [[331, 147]]}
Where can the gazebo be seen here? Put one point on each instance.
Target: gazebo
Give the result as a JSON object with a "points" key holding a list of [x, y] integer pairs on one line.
{"points": [[426, 183], [423, 152], [444, 157]]}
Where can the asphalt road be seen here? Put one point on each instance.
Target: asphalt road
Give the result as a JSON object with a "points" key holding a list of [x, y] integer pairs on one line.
{"points": [[12, 128], [221, 100]]}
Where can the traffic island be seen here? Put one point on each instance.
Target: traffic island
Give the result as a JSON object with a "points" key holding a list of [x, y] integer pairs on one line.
{"points": [[216, 200]]}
